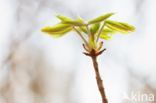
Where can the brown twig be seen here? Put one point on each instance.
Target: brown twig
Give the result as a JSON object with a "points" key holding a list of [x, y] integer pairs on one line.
{"points": [[99, 81]]}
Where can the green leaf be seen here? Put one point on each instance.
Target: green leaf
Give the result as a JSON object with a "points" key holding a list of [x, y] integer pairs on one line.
{"points": [[107, 33], [67, 20], [80, 20], [94, 28], [56, 28], [75, 23], [105, 36], [100, 18], [119, 26], [83, 29], [63, 18], [59, 33], [128, 26]]}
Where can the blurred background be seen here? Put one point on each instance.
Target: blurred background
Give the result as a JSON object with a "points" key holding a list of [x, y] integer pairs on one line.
{"points": [[35, 68]]}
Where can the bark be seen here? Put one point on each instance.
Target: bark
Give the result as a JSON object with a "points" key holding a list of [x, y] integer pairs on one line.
{"points": [[99, 80]]}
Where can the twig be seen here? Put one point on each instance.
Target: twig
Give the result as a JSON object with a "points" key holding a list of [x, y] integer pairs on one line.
{"points": [[99, 81]]}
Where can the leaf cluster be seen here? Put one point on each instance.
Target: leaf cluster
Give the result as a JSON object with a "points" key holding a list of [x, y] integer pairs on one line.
{"points": [[90, 31]]}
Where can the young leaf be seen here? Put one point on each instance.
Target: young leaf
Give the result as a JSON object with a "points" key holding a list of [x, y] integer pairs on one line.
{"points": [[80, 20], [83, 29], [75, 23], [63, 18], [128, 26], [59, 33], [94, 28], [119, 26], [100, 18], [107, 33], [56, 28], [105, 36], [67, 20]]}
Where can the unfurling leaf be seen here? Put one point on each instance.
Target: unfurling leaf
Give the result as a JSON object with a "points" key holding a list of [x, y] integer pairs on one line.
{"points": [[55, 28], [119, 26], [80, 20], [94, 28], [74, 23], [83, 29], [63, 18], [128, 26], [107, 33], [66, 20], [59, 33], [100, 18], [105, 36]]}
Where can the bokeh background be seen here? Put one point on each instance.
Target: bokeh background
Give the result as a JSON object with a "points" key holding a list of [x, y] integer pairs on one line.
{"points": [[35, 68]]}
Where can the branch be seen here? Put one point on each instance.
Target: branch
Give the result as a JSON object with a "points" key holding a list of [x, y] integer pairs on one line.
{"points": [[99, 80]]}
